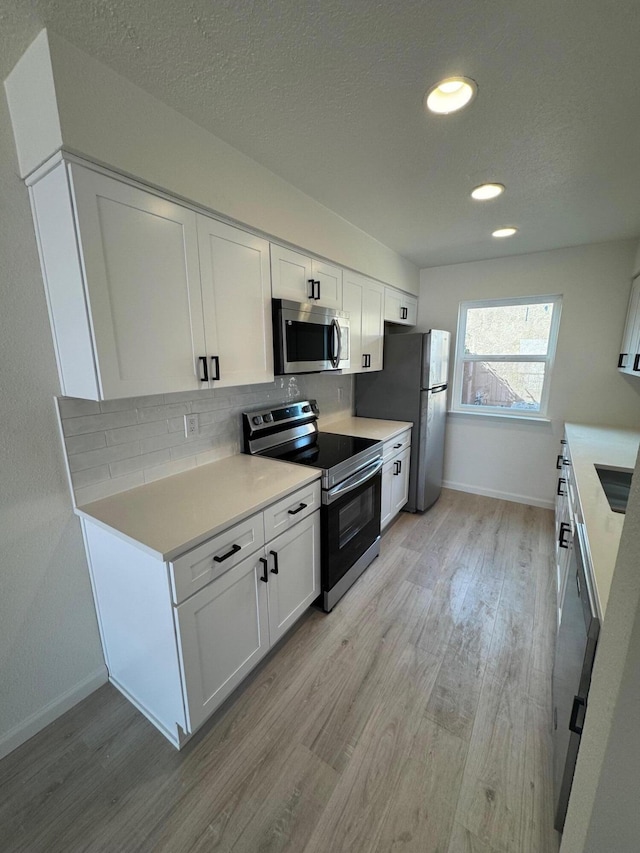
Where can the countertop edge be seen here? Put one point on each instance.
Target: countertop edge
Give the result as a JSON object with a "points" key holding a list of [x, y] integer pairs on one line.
{"points": [[347, 429]]}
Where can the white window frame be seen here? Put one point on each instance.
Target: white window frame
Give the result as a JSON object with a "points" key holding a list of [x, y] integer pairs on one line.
{"points": [[548, 360]]}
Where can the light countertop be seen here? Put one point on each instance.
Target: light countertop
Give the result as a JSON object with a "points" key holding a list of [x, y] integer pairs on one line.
{"points": [[172, 515], [366, 427], [617, 448]]}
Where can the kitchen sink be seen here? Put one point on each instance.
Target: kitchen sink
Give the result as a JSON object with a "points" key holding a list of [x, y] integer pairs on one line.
{"points": [[616, 483]]}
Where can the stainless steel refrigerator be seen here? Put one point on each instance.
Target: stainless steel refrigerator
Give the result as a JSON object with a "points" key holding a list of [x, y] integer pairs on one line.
{"points": [[413, 387]]}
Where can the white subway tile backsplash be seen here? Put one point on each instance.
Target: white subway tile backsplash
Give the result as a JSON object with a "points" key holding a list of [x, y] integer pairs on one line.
{"points": [[89, 476], [131, 403], [70, 407], [119, 444], [162, 413], [103, 456], [131, 433], [138, 463], [86, 441], [98, 423], [158, 442]]}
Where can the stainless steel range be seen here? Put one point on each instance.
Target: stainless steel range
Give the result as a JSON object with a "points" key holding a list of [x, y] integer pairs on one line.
{"points": [[351, 486]]}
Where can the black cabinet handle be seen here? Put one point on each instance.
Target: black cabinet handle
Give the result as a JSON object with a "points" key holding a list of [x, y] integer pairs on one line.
{"points": [[559, 462], [203, 359], [265, 576], [621, 358], [563, 441], [215, 362], [578, 702], [400, 466], [299, 509], [312, 288], [564, 528], [636, 361], [274, 554], [396, 446], [560, 481], [318, 283], [234, 550], [396, 468], [403, 313]]}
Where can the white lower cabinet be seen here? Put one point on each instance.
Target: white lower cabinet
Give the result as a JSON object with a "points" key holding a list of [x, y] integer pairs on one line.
{"points": [[222, 631], [179, 637], [395, 477]]}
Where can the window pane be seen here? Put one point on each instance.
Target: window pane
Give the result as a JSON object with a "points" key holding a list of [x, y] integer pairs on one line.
{"points": [[507, 384], [508, 329]]}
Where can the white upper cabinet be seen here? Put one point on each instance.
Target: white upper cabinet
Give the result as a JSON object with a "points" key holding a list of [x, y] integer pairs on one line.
{"points": [[236, 297], [363, 300], [145, 295], [301, 279], [400, 307], [629, 360]]}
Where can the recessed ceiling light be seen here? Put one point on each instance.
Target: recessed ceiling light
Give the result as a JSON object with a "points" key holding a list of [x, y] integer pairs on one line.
{"points": [[504, 232], [450, 95], [487, 191]]}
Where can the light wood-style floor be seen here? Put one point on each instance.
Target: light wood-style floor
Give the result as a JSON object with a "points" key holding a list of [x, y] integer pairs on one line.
{"points": [[415, 717]]}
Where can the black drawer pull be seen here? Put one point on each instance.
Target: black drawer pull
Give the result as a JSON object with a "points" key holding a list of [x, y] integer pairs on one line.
{"points": [[265, 576], [559, 462], [203, 359], [578, 703], [234, 550], [396, 446], [636, 361], [274, 554], [564, 528], [621, 358], [560, 481], [299, 509]]}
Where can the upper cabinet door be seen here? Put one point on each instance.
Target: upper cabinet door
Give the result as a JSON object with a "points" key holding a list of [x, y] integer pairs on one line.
{"points": [[296, 277], [291, 275], [373, 324], [328, 284], [140, 256], [352, 300], [400, 307], [629, 360], [236, 297]]}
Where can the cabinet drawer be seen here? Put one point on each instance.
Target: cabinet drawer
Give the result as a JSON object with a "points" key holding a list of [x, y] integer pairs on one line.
{"points": [[208, 561], [396, 445], [287, 512]]}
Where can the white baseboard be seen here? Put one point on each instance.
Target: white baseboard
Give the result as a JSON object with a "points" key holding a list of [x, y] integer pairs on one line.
{"points": [[503, 496], [16, 736]]}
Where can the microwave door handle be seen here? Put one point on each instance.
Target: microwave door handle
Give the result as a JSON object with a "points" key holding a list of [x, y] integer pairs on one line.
{"points": [[337, 351]]}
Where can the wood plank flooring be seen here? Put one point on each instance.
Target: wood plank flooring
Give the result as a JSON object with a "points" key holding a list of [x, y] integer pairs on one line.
{"points": [[415, 717]]}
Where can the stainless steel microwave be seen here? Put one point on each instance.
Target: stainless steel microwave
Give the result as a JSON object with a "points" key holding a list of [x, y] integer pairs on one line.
{"points": [[308, 338]]}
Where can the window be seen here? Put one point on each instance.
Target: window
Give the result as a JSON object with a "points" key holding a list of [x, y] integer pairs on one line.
{"points": [[504, 355]]}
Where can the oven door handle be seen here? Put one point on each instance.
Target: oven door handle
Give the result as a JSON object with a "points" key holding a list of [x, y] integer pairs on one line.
{"points": [[352, 482], [337, 351]]}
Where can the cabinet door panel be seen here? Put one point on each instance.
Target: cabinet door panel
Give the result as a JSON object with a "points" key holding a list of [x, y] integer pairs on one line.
{"points": [[297, 582], [630, 346], [400, 482], [290, 274], [330, 279], [236, 297], [386, 513], [373, 323], [352, 298], [222, 632], [140, 258]]}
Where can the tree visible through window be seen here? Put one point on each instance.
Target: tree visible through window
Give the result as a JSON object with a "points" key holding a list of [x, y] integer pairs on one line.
{"points": [[504, 354]]}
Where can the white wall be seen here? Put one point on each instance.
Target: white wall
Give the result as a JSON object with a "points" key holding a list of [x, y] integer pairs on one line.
{"points": [[108, 119], [603, 812], [50, 652], [515, 460]]}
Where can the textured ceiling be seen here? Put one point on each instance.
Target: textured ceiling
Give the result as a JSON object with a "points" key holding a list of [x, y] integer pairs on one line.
{"points": [[328, 95]]}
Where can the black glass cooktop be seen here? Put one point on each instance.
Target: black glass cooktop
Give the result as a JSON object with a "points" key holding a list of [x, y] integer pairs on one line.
{"points": [[327, 450]]}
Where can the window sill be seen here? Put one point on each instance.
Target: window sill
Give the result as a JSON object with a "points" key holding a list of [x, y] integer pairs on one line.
{"points": [[535, 419]]}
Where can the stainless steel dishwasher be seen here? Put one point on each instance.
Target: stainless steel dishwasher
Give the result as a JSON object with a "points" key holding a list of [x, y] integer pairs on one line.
{"points": [[575, 651]]}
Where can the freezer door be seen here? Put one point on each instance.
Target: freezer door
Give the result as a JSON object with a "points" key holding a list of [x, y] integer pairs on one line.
{"points": [[435, 358], [430, 450]]}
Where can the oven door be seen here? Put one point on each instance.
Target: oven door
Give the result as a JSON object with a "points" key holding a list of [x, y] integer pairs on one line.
{"points": [[350, 522]]}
